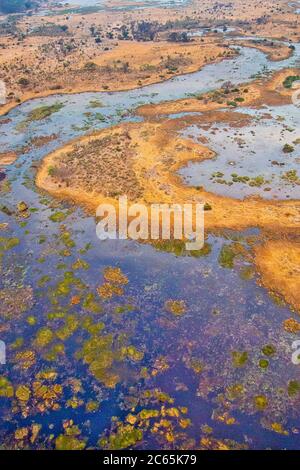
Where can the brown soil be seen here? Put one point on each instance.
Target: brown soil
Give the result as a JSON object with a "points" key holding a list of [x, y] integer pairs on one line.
{"points": [[279, 265], [7, 158]]}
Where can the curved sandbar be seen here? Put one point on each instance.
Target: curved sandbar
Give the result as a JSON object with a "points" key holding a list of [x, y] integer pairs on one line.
{"points": [[150, 155]]}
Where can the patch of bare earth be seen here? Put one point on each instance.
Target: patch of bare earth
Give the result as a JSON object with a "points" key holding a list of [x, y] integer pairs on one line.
{"points": [[279, 265]]}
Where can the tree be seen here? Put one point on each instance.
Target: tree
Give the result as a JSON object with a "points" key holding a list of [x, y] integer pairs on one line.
{"points": [[15, 6]]}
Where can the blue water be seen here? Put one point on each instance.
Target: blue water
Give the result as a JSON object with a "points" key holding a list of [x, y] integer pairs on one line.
{"points": [[256, 150]]}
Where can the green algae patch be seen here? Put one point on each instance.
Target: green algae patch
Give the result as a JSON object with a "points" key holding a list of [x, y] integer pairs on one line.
{"points": [[287, 148], [147, 414], [263, 363], [43, 280], [18, 343], [268, 350], [31, 320], [132, 353], [261, 402], [293, 388], [43, 337], [176, 307], [196, 365], [91, 305], [178, 248], [92, 406], [42, 112], [7, 244], [65, 237], [55, 351], [291, 177], [80, 264], [239, 359], [123, 309], [235, 391], [6, 388], [58, 216], [23, 393], [247, 273], [69, 328], [99, 354], [91, 327], [63, 288], [69, 442], [125, 436], [227, 256], [96, 104]]}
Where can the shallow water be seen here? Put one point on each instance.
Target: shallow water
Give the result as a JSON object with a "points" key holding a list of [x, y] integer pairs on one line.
{"points": [[207, 360], [220, 29], [254, 151], [140, 4]]}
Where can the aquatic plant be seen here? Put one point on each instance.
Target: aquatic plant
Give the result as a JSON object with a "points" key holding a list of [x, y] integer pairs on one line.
{"points": [[70, 440], [43, 112], [99, 354], [263, 363], [178, 248], [90, 304], [239, 358], [95, 104], [23, 393], [227, 256], [268, 350], [43, 337], [6, 387], [287, 148], [58, 216], [293, 388], [115, 276], [288, 81], [25, 359], [69, 328], [176, 307], [291, 176], [125, 436], [260, 402]]}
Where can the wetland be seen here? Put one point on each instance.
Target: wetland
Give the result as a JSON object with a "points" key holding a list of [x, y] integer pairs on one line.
{"points": [[121, 344]]}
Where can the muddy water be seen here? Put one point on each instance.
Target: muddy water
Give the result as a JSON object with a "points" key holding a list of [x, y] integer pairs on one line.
{"points": [[208, 365]]}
